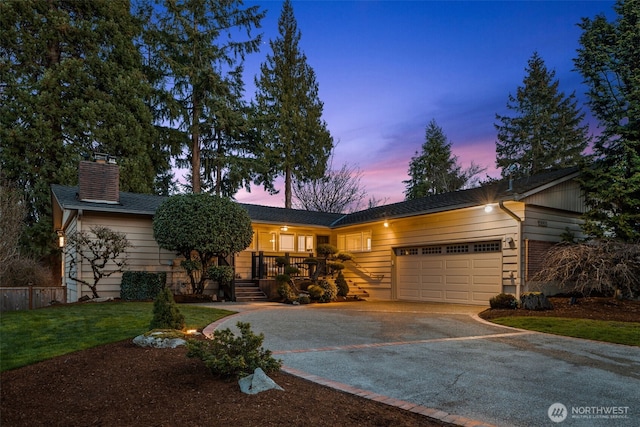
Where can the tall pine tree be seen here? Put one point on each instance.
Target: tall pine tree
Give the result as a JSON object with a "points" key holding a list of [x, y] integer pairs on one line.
{"points": [[296, 142], [436, 170], [546, 131], [198, 52], [609, 61], [71, 85]]}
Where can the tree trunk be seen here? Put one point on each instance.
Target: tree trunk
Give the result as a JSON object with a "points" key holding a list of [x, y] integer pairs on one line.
{"points": [[195, 146], [287, 187]]}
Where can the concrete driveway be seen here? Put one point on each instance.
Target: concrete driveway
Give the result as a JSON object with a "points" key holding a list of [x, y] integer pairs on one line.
{"points": [[443, 361]]}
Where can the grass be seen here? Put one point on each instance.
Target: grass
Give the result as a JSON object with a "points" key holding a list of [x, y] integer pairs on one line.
{"points": [[627, 333], [30, 336]]}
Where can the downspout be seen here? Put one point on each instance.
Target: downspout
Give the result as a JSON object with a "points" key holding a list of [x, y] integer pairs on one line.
{"points": [[509, 212]]}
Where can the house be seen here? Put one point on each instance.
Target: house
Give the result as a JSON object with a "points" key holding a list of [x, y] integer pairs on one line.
{"points": [[459, 247]]}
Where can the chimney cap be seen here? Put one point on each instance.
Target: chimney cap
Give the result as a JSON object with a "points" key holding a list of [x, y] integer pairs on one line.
{"points": [[104, 158]]}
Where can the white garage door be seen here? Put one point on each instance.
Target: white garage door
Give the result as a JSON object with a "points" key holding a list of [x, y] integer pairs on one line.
{"points": [[468, 273]]}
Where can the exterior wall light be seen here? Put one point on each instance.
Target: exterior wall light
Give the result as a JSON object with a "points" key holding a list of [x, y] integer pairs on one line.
{"points": [[284, 228], [61, 242], [488, 208], [386, 224]]}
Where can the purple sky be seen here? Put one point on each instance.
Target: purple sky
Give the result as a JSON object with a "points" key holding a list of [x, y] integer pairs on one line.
{"points": [[386, 68]]}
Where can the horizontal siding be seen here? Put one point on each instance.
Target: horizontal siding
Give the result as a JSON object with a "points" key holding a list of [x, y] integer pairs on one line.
{"points": [[549, 224], [464, 225], [145, 255]]}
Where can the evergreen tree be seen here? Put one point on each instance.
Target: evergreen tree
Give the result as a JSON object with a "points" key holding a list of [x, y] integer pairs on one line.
{"points": [[71, 85], [296, 142], [196, 49], [609, 61], [545, 132], [435, 170]]}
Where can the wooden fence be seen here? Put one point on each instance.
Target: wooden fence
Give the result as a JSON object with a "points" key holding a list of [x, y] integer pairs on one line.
{"points": [[30, 297]]}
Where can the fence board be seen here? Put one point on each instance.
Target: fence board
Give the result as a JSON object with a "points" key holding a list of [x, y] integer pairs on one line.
{"points": [[30, 297]]}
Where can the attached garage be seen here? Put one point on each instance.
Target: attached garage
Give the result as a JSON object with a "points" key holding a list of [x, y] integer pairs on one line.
{"points": [[467, 273]]}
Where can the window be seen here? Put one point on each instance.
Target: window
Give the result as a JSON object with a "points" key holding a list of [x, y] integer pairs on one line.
{"points": [[355, 242], [305, 243], [266, 241], [287, 243]]}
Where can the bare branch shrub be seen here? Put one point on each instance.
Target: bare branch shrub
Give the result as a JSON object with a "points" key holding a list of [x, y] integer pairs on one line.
{"points": [[604, 266], [21, 271]]}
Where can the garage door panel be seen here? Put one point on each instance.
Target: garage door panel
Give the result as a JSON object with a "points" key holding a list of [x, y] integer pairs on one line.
{"points": [[432, 264], [471, 278], [456, 264]]}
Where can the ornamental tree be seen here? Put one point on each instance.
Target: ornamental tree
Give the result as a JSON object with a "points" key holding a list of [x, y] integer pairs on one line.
{"points": [[99, 248], [201, 228]]}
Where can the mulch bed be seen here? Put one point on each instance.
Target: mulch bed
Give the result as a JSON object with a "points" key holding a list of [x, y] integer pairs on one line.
{"points": [[121, 384], [596, 308]]}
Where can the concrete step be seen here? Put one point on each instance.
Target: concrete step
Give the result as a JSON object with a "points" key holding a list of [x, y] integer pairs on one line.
{"points": [[247, 291]]}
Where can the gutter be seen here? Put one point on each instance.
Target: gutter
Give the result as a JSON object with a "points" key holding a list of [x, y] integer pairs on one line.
{"points": [[518, 220]]}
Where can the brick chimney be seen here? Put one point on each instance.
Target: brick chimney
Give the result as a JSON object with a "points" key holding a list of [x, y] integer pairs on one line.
{"points": [[99, 180]]}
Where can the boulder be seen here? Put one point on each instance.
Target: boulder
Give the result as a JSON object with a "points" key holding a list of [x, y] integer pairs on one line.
{"points": [[159, 339], [257, 382]]}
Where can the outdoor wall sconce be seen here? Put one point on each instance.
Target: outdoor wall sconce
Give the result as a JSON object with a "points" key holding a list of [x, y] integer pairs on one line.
{"points": [[284, 228], [386, 224], [60, 234], [488, 208]]}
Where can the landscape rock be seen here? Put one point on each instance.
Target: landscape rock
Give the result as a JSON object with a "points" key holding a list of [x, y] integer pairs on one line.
{"points": [[158, 339], [257, 382]]}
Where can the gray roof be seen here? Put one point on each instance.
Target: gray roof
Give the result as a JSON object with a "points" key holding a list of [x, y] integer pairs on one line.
{"points": [[146, 204], [492, 193]]}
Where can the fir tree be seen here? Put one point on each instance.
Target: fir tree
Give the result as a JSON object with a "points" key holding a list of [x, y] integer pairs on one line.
{"points": [[609, 61], [545, 132], [435, 170], [296, 142], [71, 85], [198, 51]]}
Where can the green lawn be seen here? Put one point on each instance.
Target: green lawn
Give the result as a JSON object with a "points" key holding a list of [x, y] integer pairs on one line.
{"points": [[600, 330], [27, 337]]}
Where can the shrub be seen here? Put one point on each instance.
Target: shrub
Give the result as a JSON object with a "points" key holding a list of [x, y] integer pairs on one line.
{"points": [[227, 355], [286, 292], [141, 285], [289, 270], [303, 299], [343, 287], [315, 292], [330, 291], [503, 301], [21, 271], [166, 314], [282, 261], [535, 301], [603, 266], [326, 250]]}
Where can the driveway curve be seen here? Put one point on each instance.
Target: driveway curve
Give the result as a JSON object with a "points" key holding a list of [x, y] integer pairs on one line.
{"points": [[444, 361]]}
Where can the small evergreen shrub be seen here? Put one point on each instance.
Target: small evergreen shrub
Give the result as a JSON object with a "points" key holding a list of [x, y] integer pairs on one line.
{"points": [[141, 285], [504, 301], [303, 299], [343, 286], [290, 271], [315, 292], [286, 292], [330, 291], [282, 261], [227, 355], [166, 314]]}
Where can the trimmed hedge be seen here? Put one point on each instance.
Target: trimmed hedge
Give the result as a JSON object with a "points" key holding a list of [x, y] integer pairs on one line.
{"points": [[141, 285]]}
